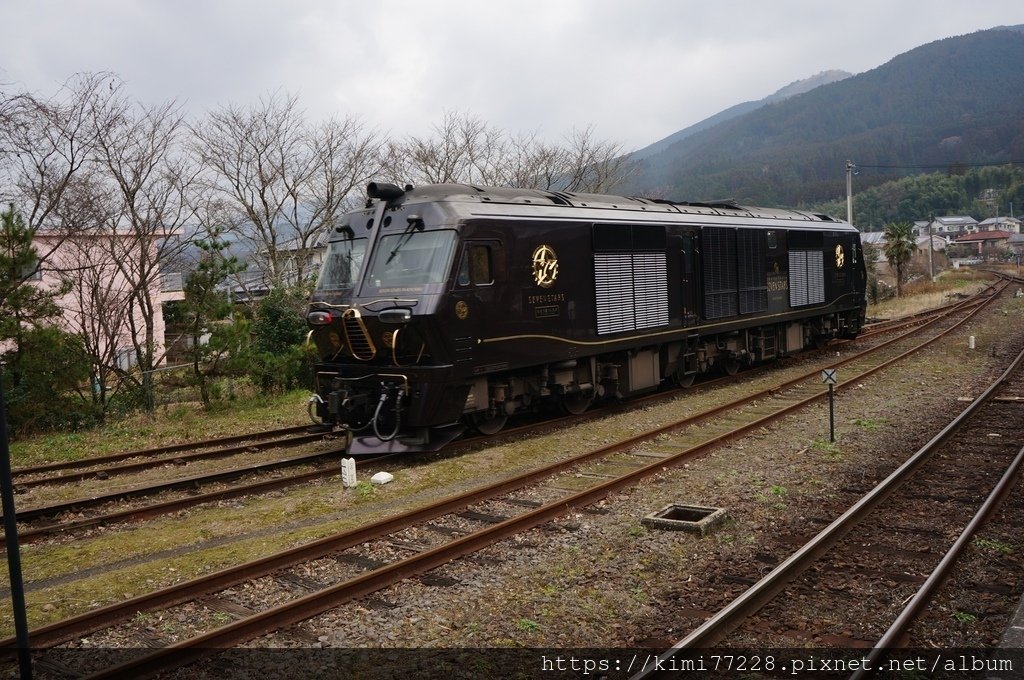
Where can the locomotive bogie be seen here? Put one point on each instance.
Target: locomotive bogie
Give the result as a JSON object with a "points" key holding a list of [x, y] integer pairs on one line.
{"points": [[454, 305]]}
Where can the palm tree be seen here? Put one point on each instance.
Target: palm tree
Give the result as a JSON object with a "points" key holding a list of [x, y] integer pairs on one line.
{"points": [[899, 248]]}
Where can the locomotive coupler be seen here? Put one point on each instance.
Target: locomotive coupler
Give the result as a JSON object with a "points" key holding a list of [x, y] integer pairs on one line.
{"points": [[394, 394], [313, 407]]}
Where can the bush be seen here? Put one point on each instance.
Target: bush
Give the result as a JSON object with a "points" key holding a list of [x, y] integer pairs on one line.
{"points": [[280, 321], [46, 383], [278, 360], [282, 371]]}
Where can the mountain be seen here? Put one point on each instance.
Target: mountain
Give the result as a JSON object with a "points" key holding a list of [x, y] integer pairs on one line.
{"points": [[953, 101], [794, 88]]}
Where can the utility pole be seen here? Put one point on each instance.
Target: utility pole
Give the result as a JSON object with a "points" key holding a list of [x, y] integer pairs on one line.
{"points": [[849, 191], [931, 262]]}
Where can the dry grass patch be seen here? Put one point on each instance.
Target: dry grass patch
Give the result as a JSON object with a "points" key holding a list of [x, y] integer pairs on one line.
{"points": [[170, 425]]}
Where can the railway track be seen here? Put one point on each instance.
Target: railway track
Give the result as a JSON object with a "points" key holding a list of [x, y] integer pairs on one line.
{"points": [[105, 467], [156, 452], [362, 561], [910, 530], [40, 519]]}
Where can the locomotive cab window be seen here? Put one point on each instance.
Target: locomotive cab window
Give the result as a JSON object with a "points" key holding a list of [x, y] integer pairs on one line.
{"points": [[412, 258], [475, 267], [341, 264]]}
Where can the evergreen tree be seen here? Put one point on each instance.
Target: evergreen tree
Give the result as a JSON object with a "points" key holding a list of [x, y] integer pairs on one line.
{"points": [[278, 359], [43, 365], [207, 308], [23, 305], [46, 382]]}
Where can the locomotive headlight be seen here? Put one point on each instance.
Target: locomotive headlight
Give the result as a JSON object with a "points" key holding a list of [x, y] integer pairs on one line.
{"points": [[399, 315], [319, 318]]}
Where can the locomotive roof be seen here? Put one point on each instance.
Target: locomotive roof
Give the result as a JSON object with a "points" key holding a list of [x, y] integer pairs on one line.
{"points": [[465, 200]]}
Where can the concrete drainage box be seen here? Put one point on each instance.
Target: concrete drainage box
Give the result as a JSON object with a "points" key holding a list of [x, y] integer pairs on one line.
{"points": [[692, 518]]}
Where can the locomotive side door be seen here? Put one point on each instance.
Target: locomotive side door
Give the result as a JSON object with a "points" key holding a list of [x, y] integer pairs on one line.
{"points": [[687, 278], [475, 295]]}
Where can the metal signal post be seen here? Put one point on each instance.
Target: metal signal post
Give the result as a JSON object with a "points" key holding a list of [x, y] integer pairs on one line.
{"points": [[13, 552]]}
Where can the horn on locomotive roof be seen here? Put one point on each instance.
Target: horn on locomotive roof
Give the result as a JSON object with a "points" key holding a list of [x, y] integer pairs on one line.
{"points": [[381, 190]]}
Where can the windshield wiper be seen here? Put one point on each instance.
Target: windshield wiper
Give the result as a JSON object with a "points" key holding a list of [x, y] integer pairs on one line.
{"points": [[415, 223]]}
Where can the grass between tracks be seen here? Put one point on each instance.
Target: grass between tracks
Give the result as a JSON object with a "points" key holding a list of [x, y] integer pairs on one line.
{"points": [[169, 425]]}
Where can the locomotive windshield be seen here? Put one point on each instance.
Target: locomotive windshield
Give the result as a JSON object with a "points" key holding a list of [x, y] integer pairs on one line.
{"points": [[412, 259], [341, 265]]}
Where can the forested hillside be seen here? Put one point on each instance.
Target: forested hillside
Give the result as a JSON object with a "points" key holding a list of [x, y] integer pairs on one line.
{"points": [[978, 192], [954, 101]]}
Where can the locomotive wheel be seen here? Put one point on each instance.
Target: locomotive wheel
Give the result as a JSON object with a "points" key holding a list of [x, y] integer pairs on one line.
{"points": [[684, 380], [731, 366], [577, 404], [487, 424]]}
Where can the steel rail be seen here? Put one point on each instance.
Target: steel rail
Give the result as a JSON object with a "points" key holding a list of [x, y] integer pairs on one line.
{"points": [[126, 468], [762, 592], [36, 534], [891, 638], [66, 629], [179, 483], [310, 605]]}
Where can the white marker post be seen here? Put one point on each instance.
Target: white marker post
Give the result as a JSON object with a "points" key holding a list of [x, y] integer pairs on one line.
{"points": [[348, 472]]}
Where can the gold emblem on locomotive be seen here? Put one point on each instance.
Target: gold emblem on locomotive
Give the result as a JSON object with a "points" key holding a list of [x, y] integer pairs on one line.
{"points": [[461, 310], [840, 257], [545, 266]]}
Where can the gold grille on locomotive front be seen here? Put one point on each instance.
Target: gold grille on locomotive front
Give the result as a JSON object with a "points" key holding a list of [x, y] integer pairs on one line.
{"points": [[356, 336]]}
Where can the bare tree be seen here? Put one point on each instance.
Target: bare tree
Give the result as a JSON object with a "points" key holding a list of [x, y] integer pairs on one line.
{"points": [[44, 144], [592, 165], [287, 180], [533, 164], [103, 301], [464, 149], [152, 178]]}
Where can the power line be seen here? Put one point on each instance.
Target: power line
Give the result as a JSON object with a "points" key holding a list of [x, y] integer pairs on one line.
{"points": [[942, 166]]}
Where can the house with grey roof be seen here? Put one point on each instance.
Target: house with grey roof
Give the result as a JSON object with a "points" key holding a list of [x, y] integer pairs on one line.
{"points": [[1010, 225], [951, 226]]}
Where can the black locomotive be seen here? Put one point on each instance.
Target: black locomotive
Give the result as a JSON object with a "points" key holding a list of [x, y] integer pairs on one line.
{"points": [[451, 305]]}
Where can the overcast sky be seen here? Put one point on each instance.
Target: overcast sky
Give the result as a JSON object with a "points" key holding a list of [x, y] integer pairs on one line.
{"points": [[635, 70]]}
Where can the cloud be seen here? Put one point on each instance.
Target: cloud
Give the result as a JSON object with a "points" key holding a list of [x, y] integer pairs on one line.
{"points": [[635, 71]]}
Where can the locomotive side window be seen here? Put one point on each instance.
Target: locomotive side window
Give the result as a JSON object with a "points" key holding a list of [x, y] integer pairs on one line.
{"points": [[475, 267], [687, 250]]}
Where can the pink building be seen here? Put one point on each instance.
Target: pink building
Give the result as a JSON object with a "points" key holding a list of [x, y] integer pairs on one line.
{"points": [[100, 307]]}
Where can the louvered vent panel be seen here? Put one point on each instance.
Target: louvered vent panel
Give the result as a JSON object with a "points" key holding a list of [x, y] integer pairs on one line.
{"points": [[717, 305], [797, 278], [754, 300], [753, 256], [650, 289], [815, 277], [719, 249], [613, 279], [752, 276]]}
